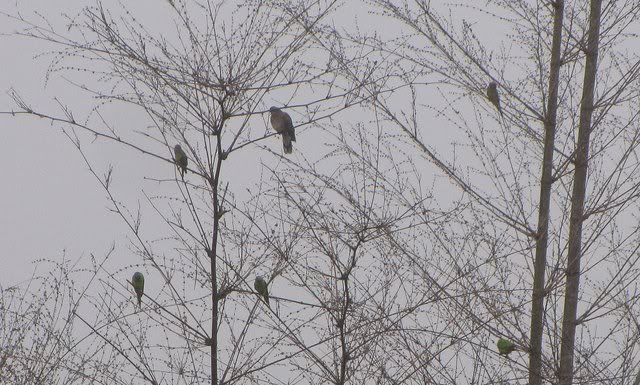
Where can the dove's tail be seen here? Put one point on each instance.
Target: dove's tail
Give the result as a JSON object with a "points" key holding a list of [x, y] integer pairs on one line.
{"points": [[286, 143]]}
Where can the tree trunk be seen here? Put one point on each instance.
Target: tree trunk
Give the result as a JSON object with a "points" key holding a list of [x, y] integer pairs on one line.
{"points": [[577, 200], [637, 380], [546, 180]]}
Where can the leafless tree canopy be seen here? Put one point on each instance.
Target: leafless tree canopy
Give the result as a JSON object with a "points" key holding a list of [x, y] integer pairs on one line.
{"points": [[412, 227]]}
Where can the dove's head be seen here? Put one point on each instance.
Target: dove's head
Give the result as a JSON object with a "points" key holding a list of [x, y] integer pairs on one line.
{"points": [[493, 85], [274, 109]]}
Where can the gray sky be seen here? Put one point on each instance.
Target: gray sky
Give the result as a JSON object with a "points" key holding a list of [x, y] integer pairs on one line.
{"points": [[50, 203], [52, 206]]}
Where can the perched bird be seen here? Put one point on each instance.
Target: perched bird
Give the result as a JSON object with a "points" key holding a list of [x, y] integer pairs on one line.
{"points": [[494, 98], [505, 346], [181, 159], [282, 123], [261, 287], [138, 285]]}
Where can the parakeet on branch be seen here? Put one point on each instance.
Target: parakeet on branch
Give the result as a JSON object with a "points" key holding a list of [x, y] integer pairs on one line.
{"points": [[138, 285], [505, 346], [261, 287], [181, 159], [282, 123], [494, 98]]}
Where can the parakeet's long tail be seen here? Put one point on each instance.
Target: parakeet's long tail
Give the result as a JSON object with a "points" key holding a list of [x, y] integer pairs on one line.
{"points": [[139, 294]]}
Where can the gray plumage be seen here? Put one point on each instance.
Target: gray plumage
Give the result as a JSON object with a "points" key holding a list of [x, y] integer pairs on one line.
{"points": [[283, 125]]}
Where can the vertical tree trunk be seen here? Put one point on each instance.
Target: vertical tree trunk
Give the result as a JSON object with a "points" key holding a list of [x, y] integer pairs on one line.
{"points": [[577, 200], [214, 182], [637, 380], [546, 180]]}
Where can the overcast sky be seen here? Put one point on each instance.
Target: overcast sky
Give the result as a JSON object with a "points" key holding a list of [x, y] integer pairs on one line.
{"points": [[51, 205]]}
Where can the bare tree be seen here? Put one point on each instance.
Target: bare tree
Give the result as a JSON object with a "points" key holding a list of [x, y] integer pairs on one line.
{"points": [[544, 209], [403, 236], [207, 88], [40, 342], [497, 167], [574, 250], [203, 89]]}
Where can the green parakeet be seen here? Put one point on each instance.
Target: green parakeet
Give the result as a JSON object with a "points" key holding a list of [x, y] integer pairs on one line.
{"points": [[505, 346], [261, 287], [282, 123], [181, 159], [138, 285], [494, 98]]}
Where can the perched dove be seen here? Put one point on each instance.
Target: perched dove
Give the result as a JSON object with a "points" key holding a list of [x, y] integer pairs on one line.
{"points": [[282, 123]]}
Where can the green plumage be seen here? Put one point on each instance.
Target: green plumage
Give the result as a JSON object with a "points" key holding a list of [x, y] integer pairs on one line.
{"points": [[494, 98], [181, 159], [505, 346], [261, 287], [138, 285]]}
